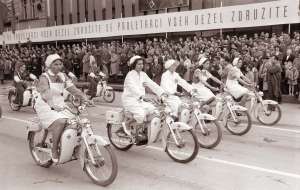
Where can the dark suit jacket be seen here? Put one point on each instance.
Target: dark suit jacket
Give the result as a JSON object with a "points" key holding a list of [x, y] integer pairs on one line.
{"points": [[290, 58]]}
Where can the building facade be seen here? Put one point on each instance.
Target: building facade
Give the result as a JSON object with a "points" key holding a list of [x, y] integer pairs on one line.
{"points": [[26, 14]]}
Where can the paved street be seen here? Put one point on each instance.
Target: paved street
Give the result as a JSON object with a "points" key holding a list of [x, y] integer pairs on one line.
{"points": [[266, 158]]}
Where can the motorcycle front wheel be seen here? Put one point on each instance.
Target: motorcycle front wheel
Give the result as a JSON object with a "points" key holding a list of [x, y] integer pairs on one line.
{"points": [[242, 125], [187, 148], [105, 169], [270, 117], [210, 136], [118, 138], [109, 96], [41, 158]]}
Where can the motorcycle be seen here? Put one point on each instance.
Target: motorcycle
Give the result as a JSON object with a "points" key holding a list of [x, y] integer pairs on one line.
{"points": [[234, 117], [175, 136], [263, 110], [206, 126], [78, 141], [27, 97], [103, 90]]}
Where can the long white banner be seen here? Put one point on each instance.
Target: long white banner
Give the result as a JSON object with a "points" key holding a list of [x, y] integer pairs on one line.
{"points": [[260, 14]]}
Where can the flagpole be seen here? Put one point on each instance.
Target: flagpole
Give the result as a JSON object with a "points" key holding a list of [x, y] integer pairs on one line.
{"points": [[221, 29], [122, 32], [166, 11]]}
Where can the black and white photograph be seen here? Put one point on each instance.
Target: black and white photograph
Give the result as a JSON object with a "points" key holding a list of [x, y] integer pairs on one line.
{"points": [[150, 94]]}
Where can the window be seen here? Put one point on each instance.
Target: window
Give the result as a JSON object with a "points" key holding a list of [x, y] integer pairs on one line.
{"points": [[113, 13], [24, 2], [133, 9], [104, 13], [32, 3]]}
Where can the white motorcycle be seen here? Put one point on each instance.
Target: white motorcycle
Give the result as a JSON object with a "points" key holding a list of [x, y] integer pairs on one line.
{"points": [[178, 139], [77, 142], [267, 112], [103, 90], [206, 126], [27, 97], [234, 117]]}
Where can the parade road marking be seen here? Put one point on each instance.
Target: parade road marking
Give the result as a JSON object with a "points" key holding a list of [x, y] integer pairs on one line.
{"points": [[278, 129], [235, 164], [16, 119]]}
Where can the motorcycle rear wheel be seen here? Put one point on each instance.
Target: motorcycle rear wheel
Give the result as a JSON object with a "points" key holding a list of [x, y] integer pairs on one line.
{"points": [[124, 144], [32, 136]]}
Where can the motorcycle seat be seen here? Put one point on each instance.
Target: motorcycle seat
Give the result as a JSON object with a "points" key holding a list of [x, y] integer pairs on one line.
{"points": [[129, 116]]}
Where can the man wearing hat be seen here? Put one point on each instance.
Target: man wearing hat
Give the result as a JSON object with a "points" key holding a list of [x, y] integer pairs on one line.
{"points": [[50, 103], [169, 82], [21, 76], [134, 91]]}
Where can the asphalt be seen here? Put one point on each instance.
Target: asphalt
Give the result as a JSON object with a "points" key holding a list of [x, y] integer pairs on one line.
{"points": [[265, 158]]}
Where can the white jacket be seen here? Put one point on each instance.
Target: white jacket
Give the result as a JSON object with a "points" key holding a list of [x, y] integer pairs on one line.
{"points": [[134, 86], [169, 82]]}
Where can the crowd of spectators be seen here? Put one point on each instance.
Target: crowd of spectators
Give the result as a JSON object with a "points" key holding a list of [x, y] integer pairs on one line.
{"points": [[270, 60]]}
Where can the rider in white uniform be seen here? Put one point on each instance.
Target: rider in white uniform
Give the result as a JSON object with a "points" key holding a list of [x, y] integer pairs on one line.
{"points": [[204, 90], [50, 103], [134, 91], [169, 82], [234, 78]]}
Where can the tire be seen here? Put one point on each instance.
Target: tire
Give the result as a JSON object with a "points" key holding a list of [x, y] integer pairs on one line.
{"points": [[114, 143], [11, 98], [233, 131], [190, 157], [114, 171], [108, 99], [277, 119], [210, 145], [31, 137]]}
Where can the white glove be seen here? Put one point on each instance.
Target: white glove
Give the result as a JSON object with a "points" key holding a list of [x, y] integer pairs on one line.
{"points": [[32, 76], [92, 75], [71, 75], [102, 74]]}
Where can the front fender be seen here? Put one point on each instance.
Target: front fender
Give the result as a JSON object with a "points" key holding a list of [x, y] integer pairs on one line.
{"points": [[271, 102], [205, 116], [95, 139], [238, 108], [181, 126]]}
